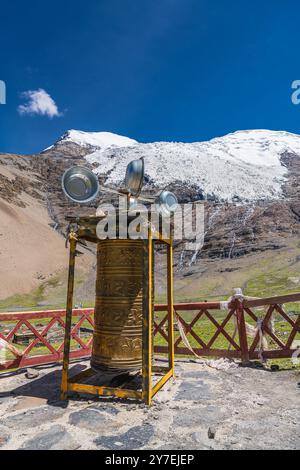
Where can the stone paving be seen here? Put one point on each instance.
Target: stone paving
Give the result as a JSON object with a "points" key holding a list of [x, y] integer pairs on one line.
{"points": [[203, 408]]}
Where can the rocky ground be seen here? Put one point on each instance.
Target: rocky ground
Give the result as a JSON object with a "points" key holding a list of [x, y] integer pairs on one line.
{"points": [[205, 407]]}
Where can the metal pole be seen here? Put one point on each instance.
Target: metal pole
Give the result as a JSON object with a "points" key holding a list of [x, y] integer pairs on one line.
{"points": [[170, 306], [147, 321], [67, 341], [150, 321]]}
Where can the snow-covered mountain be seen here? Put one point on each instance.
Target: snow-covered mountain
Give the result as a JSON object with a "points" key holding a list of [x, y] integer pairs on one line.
{"points": [[256, 173], [99, 140], [243, 166], [250, 181]]}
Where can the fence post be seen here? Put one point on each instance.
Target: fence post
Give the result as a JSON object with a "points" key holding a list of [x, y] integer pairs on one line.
{"points": [[241, 325]]}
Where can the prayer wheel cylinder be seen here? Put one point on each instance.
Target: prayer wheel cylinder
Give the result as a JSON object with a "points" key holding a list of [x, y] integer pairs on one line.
{"points": [[117, 342]]}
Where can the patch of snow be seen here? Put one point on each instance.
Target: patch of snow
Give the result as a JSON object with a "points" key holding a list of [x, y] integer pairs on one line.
{"points": [[99, 140], [244, 165]]}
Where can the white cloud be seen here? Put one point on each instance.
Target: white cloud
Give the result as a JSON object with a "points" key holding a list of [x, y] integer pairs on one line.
{"points": [[39, 102]]}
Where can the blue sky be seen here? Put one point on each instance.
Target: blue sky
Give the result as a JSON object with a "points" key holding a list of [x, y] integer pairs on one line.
{"points": [[176, 70]]}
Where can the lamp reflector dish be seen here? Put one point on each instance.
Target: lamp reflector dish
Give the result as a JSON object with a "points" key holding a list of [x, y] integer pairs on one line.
{"points": [[166, 203], [80, 184], [134, 177]]}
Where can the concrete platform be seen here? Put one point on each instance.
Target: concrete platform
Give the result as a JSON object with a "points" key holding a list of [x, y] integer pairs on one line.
{"points": [[219, 407]]}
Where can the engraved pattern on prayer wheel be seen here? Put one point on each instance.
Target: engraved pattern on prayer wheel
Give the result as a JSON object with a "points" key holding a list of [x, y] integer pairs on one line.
{"points": [[117, 342]]}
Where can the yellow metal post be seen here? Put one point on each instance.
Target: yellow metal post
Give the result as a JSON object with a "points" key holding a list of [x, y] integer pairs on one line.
{"points": [[170, 306], [150, 315], [147, 321], [64, 378]]}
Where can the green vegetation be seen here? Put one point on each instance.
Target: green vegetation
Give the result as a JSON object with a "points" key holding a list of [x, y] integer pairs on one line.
{"points": [[50, 294], [25, 301]]}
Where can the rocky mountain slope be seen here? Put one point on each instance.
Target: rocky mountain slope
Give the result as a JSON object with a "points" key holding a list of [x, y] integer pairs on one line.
{"points": [[26, 238], [248, 181]]}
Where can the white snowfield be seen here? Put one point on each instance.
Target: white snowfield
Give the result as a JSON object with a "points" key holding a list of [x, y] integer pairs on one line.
{"points": [[244, 165], [102, 140]]}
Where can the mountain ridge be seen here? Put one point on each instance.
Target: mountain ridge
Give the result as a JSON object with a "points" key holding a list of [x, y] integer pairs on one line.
{"points": [[240, 166]]}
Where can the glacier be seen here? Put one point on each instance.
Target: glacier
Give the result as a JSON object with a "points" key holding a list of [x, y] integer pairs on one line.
{"points": [[243, 166]]}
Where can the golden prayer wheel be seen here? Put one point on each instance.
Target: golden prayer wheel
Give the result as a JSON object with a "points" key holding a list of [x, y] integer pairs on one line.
{"points": [[117, 342], [124, 307]]}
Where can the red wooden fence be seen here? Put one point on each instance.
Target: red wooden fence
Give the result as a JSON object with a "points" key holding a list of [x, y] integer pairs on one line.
{"points": [[40, 324], [208, 327], [239, 314]]}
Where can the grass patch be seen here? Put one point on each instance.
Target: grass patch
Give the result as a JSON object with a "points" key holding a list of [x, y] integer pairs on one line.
{"points": [[50, 294], [24, 301]]}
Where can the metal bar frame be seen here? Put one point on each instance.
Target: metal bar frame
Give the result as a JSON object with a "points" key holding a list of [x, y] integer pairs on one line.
{"points": [[148, 391]]}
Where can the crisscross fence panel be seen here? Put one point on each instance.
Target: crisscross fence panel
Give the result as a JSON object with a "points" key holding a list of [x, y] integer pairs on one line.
{"points": [[279, 323], [244, 329], [208, 327], [241, 328], [33, 338]]}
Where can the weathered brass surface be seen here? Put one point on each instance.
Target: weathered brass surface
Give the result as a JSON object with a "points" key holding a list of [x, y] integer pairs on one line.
{"points": [[117, 342]]}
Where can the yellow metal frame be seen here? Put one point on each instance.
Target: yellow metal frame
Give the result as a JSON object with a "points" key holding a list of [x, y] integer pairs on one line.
{"points": [[148, 391]]}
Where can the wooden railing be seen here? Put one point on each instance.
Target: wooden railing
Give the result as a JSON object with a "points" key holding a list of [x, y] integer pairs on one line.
{"points": [[213, 331], [46, 344], [238, 329]]}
